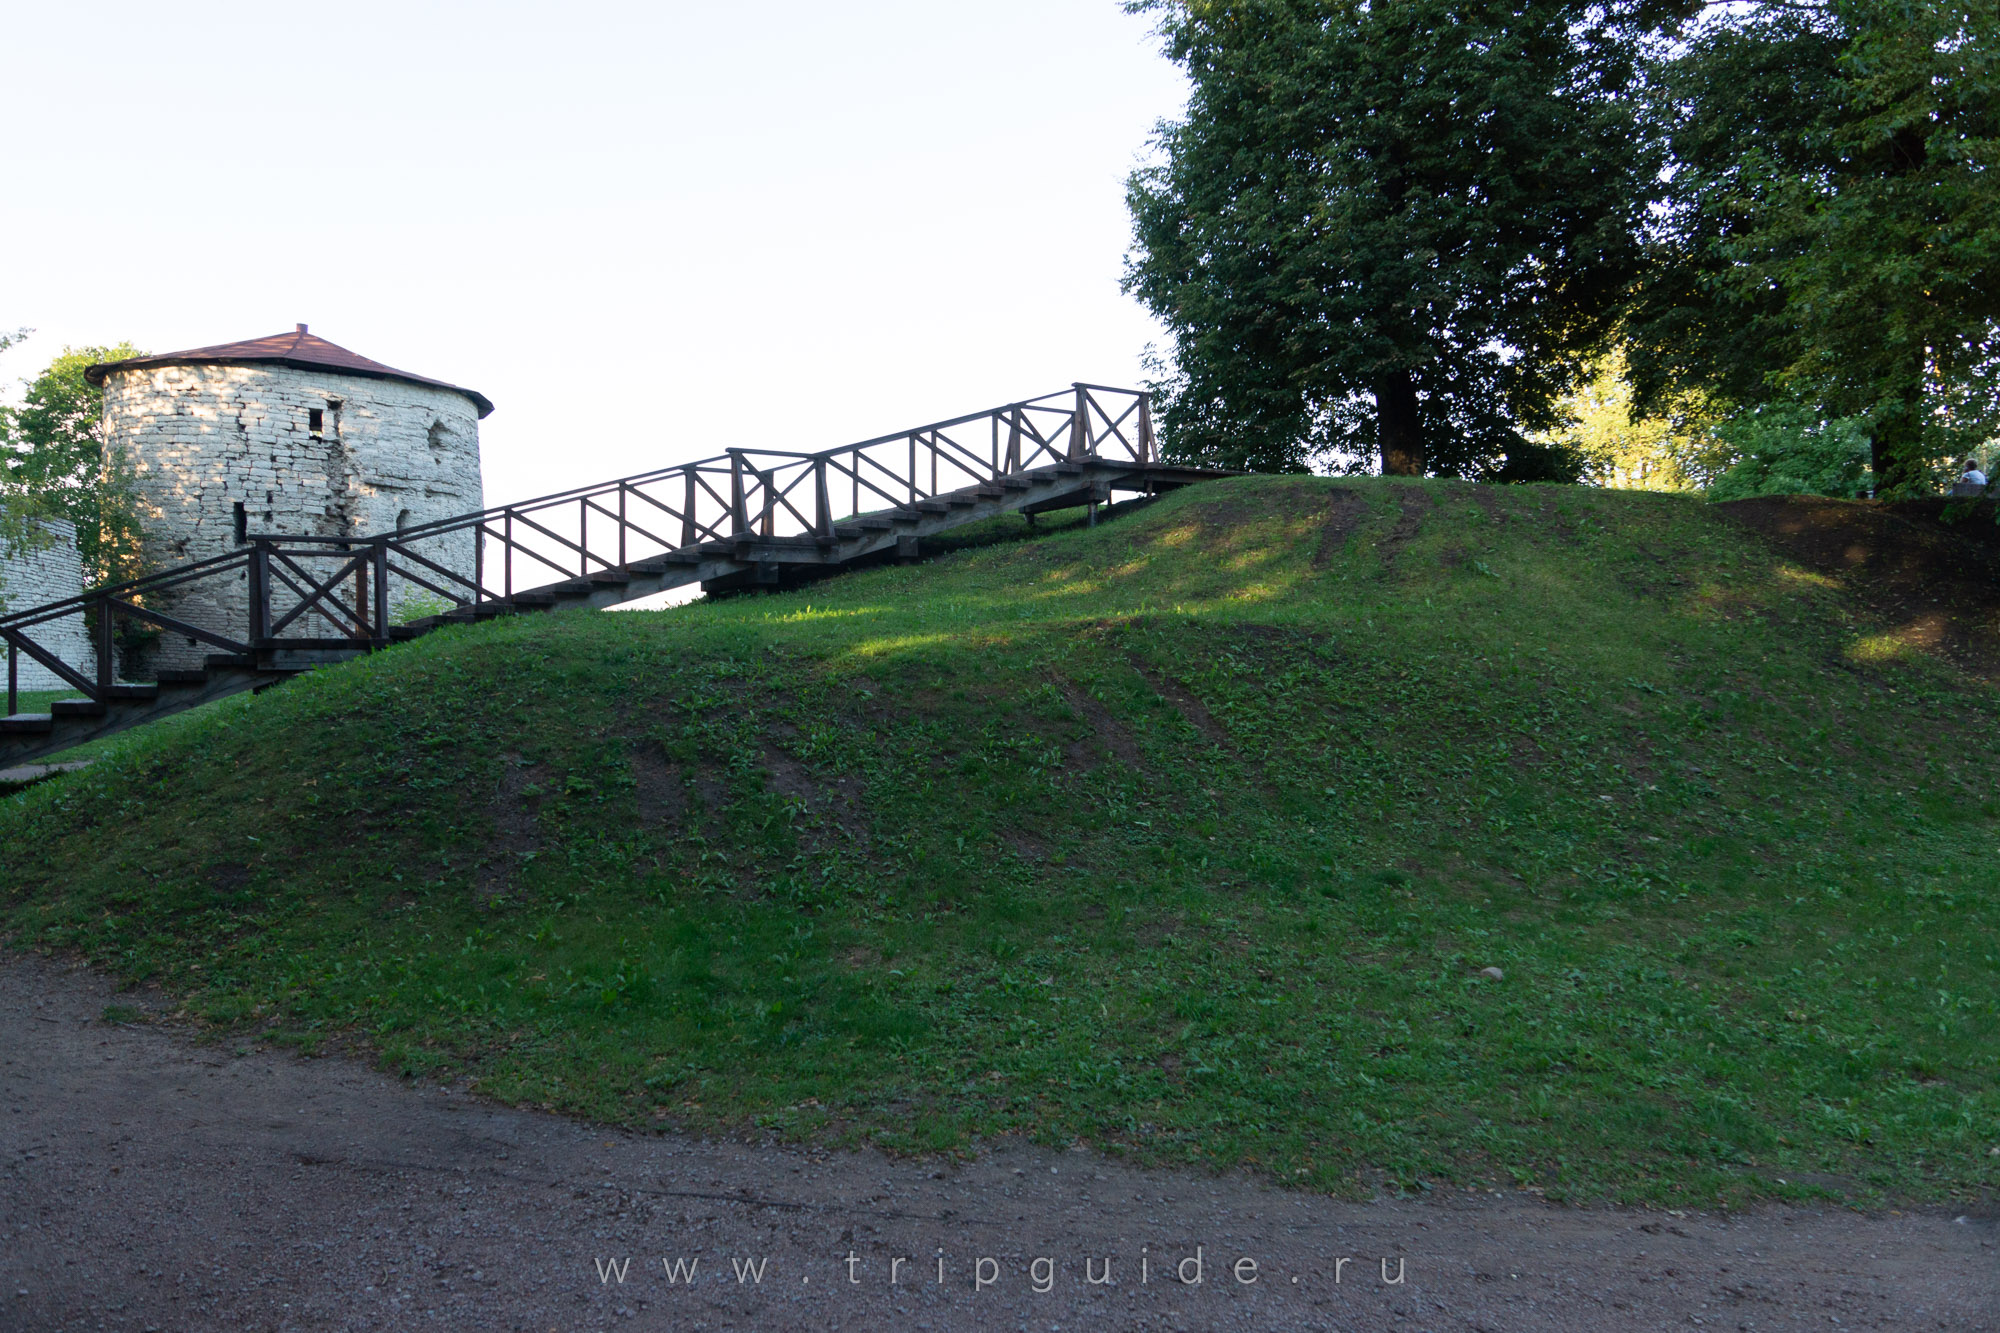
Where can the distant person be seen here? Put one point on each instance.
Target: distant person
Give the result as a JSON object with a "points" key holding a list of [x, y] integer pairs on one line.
{"points": [[1971, 481]]}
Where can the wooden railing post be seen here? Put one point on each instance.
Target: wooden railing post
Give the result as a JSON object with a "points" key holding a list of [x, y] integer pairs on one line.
{"points": [[362, 629], [260, 593], [688, 529], [107, 666], [382, 592], [1079, 426], [1014, 441], [13, 677], [823, 506], [913, 467], [1146, 443], [507, 554], [769, 481], [739, 514], [621, 525]]}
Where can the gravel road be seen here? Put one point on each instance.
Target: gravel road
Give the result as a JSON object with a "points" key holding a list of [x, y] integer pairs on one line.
{"points": [[154, 1181]]}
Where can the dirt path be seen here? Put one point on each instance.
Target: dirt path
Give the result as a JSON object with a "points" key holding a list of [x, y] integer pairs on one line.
{"points": [[152, 1182]]}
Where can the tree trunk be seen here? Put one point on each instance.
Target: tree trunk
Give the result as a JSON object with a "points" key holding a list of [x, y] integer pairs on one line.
{"points": [[1396, 425]]}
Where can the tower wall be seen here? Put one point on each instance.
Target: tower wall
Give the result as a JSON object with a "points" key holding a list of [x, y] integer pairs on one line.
{"points": [[199, 440], [48, 570]]}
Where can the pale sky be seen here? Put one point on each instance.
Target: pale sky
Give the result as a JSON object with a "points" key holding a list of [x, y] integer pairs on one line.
{"points": [[647, 232]]}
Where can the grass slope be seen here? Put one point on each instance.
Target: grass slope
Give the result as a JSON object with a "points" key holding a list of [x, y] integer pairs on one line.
{"points": [[1187, 836]]}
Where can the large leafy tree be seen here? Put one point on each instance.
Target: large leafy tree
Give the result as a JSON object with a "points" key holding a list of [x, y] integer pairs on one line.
{"points": [[1833, 235], [52, 459], [1391, 227]]}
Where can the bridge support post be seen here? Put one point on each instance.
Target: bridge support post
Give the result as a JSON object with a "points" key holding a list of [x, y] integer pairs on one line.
{"points": [[909, 549]]}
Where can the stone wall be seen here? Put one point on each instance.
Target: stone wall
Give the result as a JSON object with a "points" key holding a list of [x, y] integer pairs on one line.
{"points": [[48, 573], [313, 452]]}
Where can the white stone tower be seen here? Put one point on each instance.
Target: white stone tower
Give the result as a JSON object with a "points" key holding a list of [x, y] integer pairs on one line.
{"points": [[284, 434]]}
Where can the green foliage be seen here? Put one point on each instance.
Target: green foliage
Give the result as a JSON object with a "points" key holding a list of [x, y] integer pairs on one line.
{"points": [[1788, 449], [1396, 230], [1185, 836], [1676, 450], [1834, 231], [417, 604], [52, 455]]}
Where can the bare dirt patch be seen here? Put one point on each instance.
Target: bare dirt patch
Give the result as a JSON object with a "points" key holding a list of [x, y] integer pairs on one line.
{"points": [[1413, 507], [1926, 570], [662, 788], [1109, 733], [1346, 510], [1191, 709], [836, 807], [516, 799]]}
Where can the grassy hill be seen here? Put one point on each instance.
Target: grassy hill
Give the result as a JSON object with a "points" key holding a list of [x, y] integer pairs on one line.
{"points": [[1188, 836]]}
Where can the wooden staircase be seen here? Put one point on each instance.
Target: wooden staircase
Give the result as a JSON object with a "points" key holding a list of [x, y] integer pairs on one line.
{"points": [[740, 562]]}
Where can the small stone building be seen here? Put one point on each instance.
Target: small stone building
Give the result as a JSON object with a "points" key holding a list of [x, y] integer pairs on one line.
{"points": [[284, 434], [48, 569]]}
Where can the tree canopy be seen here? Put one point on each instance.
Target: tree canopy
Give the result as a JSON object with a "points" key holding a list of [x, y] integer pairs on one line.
{"points": [[1398, 229], [52, 462], [1832, 232], [1410, 229]]}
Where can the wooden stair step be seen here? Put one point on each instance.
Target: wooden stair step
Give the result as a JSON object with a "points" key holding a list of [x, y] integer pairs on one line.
{"points": [[137, 691], [78, 708], [27, 724], [172, 679]]}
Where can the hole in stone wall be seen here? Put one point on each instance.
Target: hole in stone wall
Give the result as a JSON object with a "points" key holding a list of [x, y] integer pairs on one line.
{"points": [[316, 422], [242, 521], [439, 436]]}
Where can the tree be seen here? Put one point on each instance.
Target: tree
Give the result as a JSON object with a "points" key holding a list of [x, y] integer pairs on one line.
{"points": [[52, 459], [1833, 236], [1676, 450], [1394, 227], [1785, 448]]}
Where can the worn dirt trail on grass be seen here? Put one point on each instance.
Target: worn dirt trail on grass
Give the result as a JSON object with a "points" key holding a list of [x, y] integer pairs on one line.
{"points": [[152, 1181]]}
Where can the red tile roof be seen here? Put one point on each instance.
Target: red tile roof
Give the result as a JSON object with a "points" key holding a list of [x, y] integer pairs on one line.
{"points": [[306, 351]]}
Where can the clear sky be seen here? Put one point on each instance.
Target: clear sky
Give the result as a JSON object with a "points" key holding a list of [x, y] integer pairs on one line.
{"points": [[646, 231]]}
